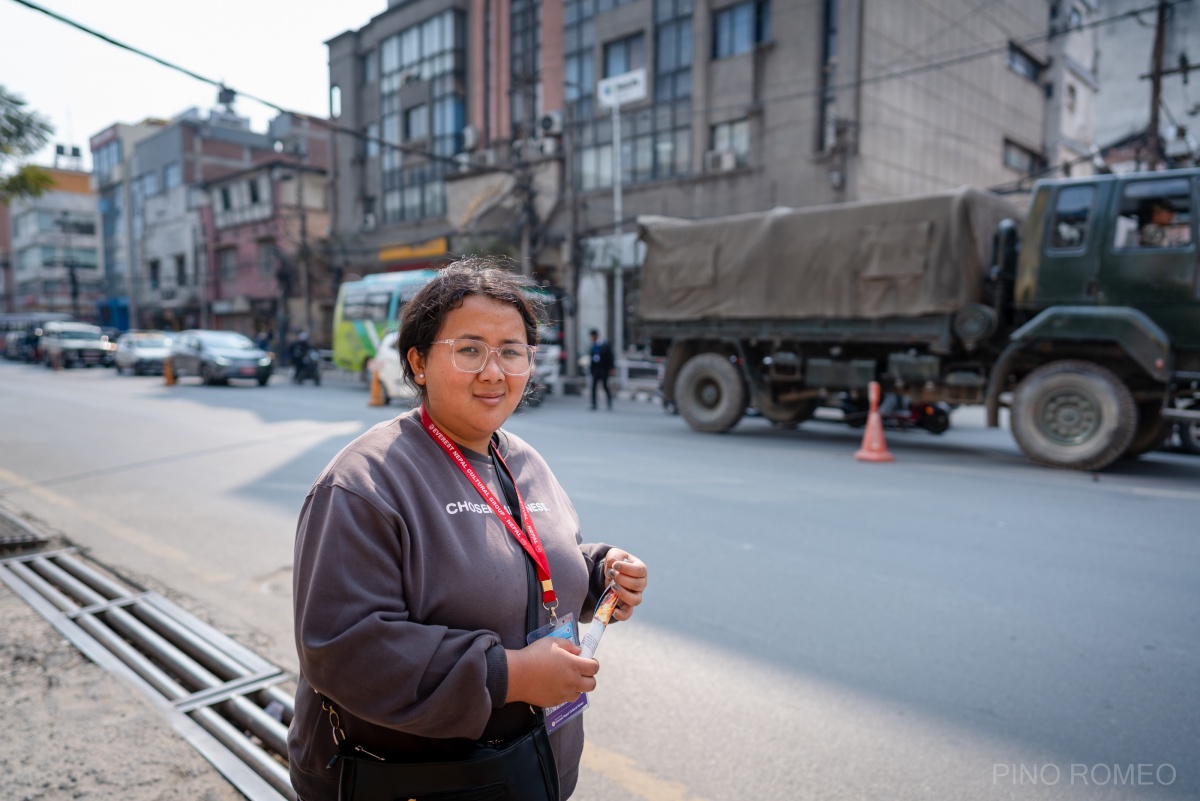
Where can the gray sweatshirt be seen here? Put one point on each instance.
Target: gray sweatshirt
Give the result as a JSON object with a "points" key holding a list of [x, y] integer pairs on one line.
{"points": [[407, 589]]}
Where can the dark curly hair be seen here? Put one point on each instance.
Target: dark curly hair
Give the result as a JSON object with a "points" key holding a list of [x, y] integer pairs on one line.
{"points": [[487, 276]]}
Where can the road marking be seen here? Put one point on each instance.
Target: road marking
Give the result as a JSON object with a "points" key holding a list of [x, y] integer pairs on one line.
{"points": [[116, 528], [623, 771]]}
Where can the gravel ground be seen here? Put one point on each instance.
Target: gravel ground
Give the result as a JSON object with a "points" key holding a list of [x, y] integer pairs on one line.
{"points": [[71, 730]]}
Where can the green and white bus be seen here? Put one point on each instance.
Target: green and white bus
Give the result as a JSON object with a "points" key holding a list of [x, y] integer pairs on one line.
{"points": [[368, 309]]}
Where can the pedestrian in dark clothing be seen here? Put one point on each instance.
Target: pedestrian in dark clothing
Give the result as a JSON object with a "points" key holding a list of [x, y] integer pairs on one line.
{"points": [[602, 366]]}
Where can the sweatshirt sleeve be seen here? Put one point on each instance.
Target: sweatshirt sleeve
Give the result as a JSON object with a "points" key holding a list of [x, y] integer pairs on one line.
{"points": [[354, 637], [593, 557]]}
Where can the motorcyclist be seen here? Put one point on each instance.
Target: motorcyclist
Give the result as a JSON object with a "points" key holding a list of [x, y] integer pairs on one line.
{"points": [[304, 359]]}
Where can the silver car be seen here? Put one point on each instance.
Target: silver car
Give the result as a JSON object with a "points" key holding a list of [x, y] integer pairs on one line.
{"points": [[218, 356], [142, 352]]}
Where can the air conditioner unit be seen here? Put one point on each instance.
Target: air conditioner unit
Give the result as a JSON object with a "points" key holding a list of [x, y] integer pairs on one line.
{"points": [[463, 160], [484, 158], [550, 124], [719, 160]]}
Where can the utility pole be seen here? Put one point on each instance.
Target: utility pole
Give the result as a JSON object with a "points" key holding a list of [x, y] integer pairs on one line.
{"points": [[1153, 141]]}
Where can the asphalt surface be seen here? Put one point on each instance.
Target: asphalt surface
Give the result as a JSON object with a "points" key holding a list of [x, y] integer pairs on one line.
{"points": [[959, 624]]}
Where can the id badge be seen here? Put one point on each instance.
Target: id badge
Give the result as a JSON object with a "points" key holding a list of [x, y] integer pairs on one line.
{"points": [[566, 628]]}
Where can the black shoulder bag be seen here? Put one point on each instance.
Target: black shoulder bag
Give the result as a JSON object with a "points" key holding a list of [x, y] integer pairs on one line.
{"points": [[517, 770]]}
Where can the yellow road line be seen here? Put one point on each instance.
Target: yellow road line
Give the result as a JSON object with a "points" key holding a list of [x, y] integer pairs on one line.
{"points": [[621, 770], [139, 539]]}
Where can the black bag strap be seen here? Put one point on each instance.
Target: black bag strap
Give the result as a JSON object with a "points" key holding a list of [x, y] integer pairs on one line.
{"points": [[509, 487]]}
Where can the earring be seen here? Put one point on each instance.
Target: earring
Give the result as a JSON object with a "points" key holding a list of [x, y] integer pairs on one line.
{"points": [[420, 375]]}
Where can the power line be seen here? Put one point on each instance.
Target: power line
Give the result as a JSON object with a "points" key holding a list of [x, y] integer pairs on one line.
{"points": [[223, 87]]}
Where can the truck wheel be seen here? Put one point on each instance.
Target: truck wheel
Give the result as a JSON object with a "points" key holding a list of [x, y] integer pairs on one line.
{"points": [[710, 393], [1189, 437], [1152, 431], [1073, 414]]}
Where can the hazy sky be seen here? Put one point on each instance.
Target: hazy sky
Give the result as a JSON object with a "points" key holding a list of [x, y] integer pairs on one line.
{"points": [[273, 50]]}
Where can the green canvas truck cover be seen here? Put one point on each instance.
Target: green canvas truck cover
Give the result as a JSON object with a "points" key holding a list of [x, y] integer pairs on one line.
{"points": [[893, 258]]}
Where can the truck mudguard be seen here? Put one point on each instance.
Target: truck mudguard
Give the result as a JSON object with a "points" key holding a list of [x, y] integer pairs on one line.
{"points": [[1131, 330]]}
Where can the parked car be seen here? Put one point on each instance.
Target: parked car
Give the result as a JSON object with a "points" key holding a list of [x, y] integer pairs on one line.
{"points": [[218, 356], [14, 345], [391, 373], [142, 352], [69, 344]]}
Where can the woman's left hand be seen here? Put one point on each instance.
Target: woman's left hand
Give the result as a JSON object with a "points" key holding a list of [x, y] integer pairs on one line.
{"points": [[629, 574]]}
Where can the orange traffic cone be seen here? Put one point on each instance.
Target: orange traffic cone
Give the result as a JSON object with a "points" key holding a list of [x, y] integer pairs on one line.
{"points": [[376, 390], [874, 449], [168, 373]]}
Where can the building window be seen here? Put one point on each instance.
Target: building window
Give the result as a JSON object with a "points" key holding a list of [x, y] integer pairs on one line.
{"points": [[370, 67], [152, 274], [526, 65], [228, 264], [733, 137], [252, 185], [1069, 228], [225, 202], [172, 175], [371, 142], [180, 270], [432, 52], [656, 142], [738, 28], [266, 257], [624, 55], [1023, 64], [335, 101], [1022, 159], [416, 122]]}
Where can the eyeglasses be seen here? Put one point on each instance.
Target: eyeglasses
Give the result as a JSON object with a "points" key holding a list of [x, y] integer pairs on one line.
{"points": [[471, 355]]}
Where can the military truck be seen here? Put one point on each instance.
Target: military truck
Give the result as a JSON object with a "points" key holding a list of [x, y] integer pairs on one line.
{"points": [[1082, 317]]}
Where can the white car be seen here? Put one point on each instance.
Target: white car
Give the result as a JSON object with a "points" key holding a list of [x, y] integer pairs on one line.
{"points": [[142, 352], [391, 373], [67, 344]]}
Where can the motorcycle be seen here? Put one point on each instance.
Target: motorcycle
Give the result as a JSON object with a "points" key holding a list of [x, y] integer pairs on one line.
{"points": [[544, 375], [307, 366]]}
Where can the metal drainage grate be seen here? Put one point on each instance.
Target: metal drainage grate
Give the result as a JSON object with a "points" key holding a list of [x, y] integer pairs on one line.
{"points": [[220, 697]]}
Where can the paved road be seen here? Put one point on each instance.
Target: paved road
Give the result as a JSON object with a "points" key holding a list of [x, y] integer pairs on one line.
{"points": [[959, 624]]}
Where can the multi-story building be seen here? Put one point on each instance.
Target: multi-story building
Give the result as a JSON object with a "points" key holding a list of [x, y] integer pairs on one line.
{"points": [[55, 249], [261, 227], [112, 153], [152, 180], [479, 124]]}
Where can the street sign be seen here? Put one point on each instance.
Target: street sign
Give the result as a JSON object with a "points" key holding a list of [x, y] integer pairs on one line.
{"points": [[628, 87]]}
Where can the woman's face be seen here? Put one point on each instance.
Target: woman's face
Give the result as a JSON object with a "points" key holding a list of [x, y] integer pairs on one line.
{"points": [[469, 407]]}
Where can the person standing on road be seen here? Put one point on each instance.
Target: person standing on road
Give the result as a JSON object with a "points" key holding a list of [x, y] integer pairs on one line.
{"points": [[410, 577], [601, 365]]}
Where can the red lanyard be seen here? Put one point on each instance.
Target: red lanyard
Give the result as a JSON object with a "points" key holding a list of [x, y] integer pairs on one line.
{"points": [[527, 538]]}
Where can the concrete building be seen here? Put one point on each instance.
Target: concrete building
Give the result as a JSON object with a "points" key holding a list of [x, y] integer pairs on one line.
{"points": [[260, 230], [55, 249], [151, 178], [112, 154], [748, 104]]}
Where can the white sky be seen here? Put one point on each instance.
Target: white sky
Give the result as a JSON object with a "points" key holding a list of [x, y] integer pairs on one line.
{"points": [[274, 50]]}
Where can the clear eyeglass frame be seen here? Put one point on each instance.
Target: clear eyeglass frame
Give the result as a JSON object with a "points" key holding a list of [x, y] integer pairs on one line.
{"points": [[519, 359]]}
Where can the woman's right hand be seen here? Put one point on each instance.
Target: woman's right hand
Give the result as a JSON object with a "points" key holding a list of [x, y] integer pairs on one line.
{"points": [[549, 672]]}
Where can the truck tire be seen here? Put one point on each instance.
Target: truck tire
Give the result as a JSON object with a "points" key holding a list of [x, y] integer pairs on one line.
{"points": [[1189, 437], [1073, 414], [710, 393], [1152, 431]]}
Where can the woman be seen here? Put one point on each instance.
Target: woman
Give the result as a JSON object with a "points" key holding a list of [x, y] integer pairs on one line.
{"points": [[410, 590]]}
